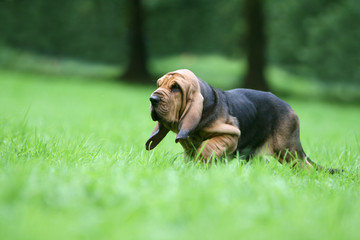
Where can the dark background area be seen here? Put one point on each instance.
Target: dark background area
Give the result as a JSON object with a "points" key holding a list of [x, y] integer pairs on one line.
{"points": [[317, 39]]}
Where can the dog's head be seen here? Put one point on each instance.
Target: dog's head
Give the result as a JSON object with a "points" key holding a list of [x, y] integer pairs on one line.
{"points": [[177, 104]]}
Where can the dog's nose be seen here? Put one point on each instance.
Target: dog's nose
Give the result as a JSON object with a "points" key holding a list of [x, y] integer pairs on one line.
{"points": [[154, 100]]}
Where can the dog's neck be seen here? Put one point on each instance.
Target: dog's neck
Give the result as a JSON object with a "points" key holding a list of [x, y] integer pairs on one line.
{"points": [[211, 107]]}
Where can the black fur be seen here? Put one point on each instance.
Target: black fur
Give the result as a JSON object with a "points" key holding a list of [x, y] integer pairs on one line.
{"points": [[267, 125], [257, 113]]}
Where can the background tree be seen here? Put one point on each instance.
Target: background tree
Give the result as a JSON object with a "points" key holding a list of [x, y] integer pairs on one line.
{"points": [[136, 70], [315, 39], [255, 45]]}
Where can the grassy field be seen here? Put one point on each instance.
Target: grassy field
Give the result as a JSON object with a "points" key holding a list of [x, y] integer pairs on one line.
{"points": [[73, 166]]}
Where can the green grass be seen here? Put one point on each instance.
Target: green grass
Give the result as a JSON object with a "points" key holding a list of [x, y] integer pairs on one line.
{"points": [[73, 166]]}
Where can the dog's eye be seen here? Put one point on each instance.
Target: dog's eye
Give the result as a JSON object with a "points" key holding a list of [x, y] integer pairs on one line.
{"points": [[175, 88]]}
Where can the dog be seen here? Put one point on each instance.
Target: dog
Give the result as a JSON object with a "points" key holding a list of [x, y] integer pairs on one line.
{"points": [[210, 123]]}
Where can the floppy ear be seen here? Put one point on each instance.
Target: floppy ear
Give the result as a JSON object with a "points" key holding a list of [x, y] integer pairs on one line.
{"points": [[157, 135], [194, 105]]}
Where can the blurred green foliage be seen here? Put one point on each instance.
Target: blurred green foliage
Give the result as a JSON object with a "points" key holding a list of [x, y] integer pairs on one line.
{"points": [[317, 38], [320, 37]]}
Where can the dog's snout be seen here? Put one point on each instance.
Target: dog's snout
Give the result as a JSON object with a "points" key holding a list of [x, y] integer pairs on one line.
{"points": [[154, 100]]}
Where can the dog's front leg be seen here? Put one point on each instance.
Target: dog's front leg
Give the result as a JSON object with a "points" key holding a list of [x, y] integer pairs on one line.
{"points": [[216, 147]]}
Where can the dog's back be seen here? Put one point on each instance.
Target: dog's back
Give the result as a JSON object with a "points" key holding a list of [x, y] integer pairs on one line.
{"points": [[258, 113]]}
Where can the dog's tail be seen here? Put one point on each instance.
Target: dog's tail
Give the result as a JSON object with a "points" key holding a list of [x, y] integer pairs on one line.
{"points": [[321, 168]]}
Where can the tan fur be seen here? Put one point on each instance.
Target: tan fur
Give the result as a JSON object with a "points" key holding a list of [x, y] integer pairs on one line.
{"points": [[222, 137], [181, 112], [184, 109], [286, 136], [217, 146], [219, 138], [177, 105]]}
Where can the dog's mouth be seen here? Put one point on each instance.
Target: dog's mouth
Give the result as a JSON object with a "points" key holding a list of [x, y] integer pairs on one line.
{"points": [[154, 115]]}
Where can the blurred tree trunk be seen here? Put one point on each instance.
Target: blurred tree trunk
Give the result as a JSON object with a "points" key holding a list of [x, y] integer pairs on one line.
{"points": [[255, 40], [136, 70]]}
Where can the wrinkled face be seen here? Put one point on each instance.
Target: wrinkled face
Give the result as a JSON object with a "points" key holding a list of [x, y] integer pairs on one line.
{"points": [[167, 102], [176, 105]]}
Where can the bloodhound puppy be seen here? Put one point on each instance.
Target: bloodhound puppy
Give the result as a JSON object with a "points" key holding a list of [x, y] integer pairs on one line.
{"points": [[211, 123]]}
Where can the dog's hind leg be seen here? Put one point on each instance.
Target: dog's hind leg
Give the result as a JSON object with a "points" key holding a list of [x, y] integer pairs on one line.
{"points": [[285, 142]]}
